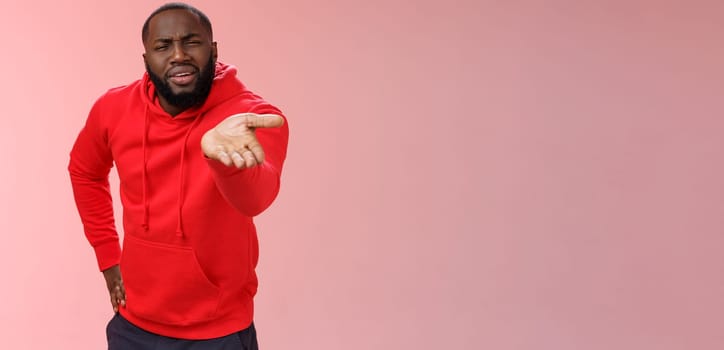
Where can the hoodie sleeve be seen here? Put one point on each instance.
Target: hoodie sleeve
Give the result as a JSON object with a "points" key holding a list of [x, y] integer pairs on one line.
{"points": [[90, 163], [252, 190]]}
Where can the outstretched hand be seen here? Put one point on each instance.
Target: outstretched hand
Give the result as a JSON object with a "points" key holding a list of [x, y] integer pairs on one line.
{"points": [[114, 282], [234, 142]]}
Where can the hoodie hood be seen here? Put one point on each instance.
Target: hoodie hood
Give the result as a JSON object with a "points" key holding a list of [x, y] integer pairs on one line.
{"points": [[224, 86]]}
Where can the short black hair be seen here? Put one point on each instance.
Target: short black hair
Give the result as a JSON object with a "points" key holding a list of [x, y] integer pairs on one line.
{"points": [[177, 6]]}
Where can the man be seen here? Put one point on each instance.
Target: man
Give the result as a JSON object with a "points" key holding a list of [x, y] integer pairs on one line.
{"points": [[198, 156]]}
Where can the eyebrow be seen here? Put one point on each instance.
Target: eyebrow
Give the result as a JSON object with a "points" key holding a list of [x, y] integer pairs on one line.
{"points": [[185, 37]]}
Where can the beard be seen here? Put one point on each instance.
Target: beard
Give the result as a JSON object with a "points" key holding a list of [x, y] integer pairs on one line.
{"points": [[186, 100]]}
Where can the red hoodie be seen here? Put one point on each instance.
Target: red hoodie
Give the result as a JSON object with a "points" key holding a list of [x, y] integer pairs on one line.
{"points": [[190, 246]]}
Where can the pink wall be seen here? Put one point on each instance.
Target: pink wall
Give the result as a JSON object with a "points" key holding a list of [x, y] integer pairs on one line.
{"points": [[505, 175]]}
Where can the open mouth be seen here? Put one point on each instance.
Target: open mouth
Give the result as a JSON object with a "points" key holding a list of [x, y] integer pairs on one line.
{"points": [[183, 78], [182, 75]]}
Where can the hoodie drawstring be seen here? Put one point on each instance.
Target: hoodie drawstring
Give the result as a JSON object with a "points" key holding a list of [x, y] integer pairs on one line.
{"points": [[179, 225], [143, 173]]}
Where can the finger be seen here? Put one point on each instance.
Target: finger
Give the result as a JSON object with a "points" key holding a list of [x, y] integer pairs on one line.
{"points": [[224, 157], [263, 120], [238, 160], [122, 292], [257, 151], [114, 301], [118, 296], [249, 158]]}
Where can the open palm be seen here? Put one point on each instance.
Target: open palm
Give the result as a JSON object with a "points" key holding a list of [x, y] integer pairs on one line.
{"points": [[233, 141]]}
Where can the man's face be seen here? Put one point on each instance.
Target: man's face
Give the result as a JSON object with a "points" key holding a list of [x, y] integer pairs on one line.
{"points": [[180, 58]]}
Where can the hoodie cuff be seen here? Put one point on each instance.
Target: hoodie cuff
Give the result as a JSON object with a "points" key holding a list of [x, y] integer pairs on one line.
{"points": [[108, 254]]}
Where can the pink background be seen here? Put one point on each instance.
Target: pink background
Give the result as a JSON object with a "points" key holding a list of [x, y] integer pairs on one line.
{"points": [[461, 174]]}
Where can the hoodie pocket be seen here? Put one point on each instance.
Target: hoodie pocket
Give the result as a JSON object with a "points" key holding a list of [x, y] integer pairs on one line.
{"points": [[165, 283]]}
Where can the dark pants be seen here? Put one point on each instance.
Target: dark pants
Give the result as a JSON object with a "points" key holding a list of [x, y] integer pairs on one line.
{"points": [[122, 335]]}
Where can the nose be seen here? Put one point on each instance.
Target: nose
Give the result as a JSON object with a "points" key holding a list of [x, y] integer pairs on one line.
{"points": [[178, 53]]}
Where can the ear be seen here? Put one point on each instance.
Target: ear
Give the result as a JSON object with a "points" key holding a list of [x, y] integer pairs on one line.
{"points": [[214, 51]]}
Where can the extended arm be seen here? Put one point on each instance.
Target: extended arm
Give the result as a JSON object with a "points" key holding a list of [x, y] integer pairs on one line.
{"points": [[246, 153]]}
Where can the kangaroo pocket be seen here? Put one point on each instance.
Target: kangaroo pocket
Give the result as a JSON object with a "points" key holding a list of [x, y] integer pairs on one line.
{"points": [[165, 284]]}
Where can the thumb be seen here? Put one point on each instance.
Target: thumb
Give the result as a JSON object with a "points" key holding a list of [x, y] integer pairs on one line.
{"points": [[263, 120]]}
